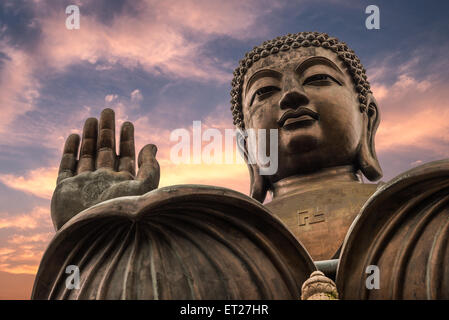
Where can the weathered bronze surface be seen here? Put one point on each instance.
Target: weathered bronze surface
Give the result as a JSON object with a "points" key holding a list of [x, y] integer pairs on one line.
{"points": [[98, 173], [180, 242], [404, 230], [320, 208]]}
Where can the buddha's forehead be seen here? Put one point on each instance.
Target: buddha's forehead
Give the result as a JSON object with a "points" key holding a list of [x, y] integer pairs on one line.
{"points": [[283, 61]]}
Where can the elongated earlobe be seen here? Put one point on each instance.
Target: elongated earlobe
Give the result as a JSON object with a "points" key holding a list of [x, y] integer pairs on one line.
{"points": [[367, 158], [258, 184]]}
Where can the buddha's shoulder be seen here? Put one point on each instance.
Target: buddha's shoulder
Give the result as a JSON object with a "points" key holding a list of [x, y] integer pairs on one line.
{"points": [[350, 194]]}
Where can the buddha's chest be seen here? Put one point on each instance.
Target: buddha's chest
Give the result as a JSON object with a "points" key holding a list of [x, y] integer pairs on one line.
{"points": [[320, 218]]}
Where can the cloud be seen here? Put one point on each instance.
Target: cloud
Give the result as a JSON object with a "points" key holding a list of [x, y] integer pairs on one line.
{"points": [[234, 176], [18, 89], [24, 253], [35, 238], [38, 217], [232, 18], [162, 38], [40, 182], [136, 96], [22, 268], [110, 97], [413, 109], [28, 236], [424, 129]]}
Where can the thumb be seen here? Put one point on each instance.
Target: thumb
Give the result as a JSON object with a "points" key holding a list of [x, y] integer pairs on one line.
{"points": [[149, 171]]}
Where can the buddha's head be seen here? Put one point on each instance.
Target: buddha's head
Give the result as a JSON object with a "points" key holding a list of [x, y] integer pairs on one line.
{"points": [[314, 90]]}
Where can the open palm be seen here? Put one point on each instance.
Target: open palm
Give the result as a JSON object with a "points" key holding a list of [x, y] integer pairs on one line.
{"points": [[99, 174]]}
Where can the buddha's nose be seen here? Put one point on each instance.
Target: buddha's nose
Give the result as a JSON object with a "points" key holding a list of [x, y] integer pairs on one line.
{"points": [[293, 97]]}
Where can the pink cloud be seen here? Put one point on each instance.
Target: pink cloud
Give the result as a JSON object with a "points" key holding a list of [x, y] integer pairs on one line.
{"points": [[414, 114], [233, 18], [154, 40], [40, 182], [23, 253], [22, 250], [18, 89], [136, 96], [413, 109], [38, 217]]}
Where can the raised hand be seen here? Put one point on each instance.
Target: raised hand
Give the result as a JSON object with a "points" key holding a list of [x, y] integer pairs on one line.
{"points": [[100, 174]]}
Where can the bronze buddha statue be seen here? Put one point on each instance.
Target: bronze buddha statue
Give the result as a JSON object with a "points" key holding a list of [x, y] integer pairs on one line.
{"points": [[313, 90], [317, 97]]}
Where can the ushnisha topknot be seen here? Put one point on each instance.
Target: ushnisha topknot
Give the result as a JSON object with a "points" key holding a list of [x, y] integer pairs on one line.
{"points": [[291, 42]]}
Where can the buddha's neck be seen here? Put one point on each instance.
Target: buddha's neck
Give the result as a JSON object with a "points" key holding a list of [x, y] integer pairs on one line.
{"points": [[303, 183]]}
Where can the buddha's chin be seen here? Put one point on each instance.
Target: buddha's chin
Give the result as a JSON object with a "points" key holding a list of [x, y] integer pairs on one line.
{"points": [[301, 139]]}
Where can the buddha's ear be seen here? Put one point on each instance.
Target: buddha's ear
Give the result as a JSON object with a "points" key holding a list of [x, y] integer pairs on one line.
{"points": [[367, 158], [258, 185]]}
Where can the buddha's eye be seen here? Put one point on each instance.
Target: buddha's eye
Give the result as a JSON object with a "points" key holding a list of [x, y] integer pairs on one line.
{"points": [[320, 80], [264, 93]]}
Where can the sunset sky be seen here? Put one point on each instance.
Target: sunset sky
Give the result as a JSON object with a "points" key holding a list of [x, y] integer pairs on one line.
{"points": [[164, 64]]}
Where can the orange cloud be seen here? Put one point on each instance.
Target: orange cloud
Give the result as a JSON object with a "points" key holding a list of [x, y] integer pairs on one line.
{"points": [[413, 114], [42, 181], [21, 252], [38, 217], [21, 239], [234, 177], [21, 269], [39, 182]]}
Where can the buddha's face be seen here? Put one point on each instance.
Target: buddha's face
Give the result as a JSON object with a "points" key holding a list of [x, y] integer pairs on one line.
{"points": [[309, 96]]}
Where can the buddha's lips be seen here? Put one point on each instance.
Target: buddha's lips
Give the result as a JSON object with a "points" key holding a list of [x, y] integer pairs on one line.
{"points": [[302, 111]]}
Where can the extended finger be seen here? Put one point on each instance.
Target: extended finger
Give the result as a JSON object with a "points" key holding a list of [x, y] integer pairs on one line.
{"points": [[106, 140], [88, 146], [127, 149], [68, 162], [149, 171]]}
